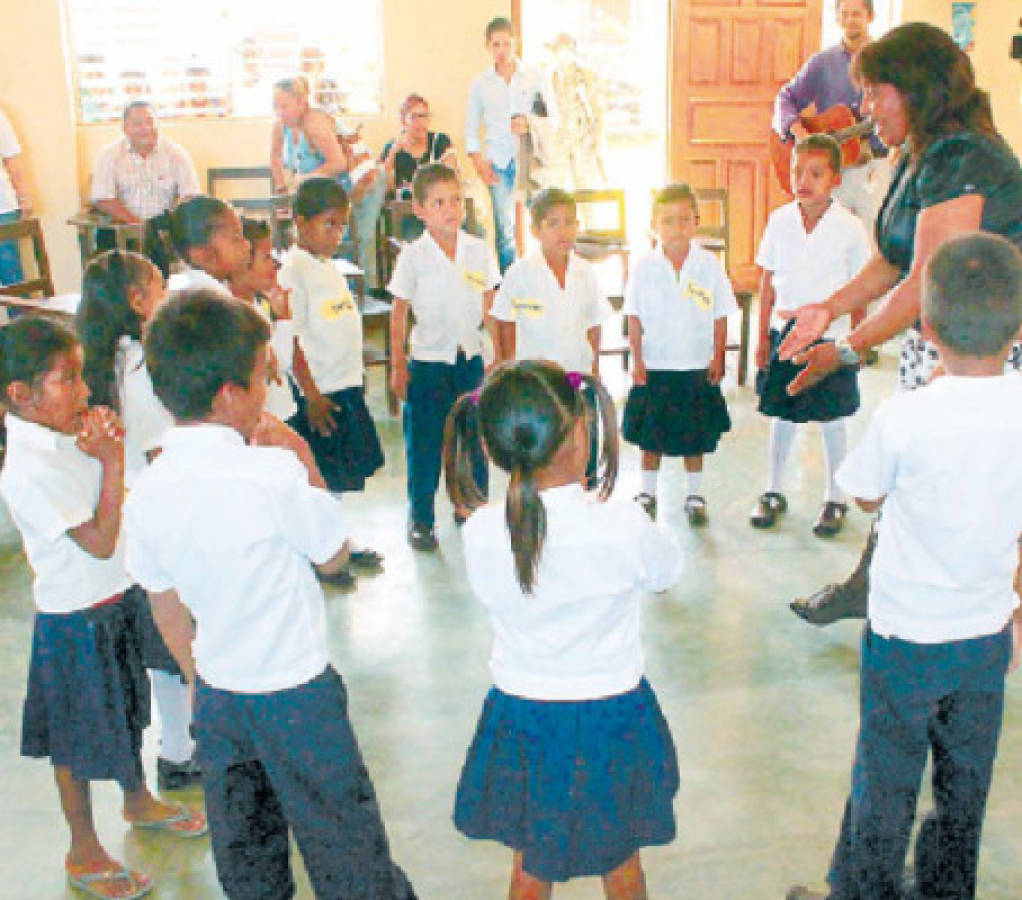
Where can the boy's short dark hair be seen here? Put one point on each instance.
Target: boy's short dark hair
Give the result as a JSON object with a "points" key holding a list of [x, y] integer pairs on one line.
{"points": [[546, 200], [500, 23], [196, 343], [129, 108], [317, 195], [27, 348], [675, 193], [867, 3], [254, 230], [193, 221], [821, 143], [427, 176], [972, 293]]}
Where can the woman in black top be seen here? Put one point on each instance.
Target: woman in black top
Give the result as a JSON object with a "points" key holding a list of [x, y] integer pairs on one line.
{"points": [[415, 146], [955, 174]]}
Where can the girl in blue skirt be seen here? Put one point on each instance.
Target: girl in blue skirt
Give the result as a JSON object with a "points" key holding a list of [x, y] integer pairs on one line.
{"points": [[572, 765], [88, 696]]}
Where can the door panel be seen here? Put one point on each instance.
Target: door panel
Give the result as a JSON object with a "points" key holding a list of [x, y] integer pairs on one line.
{"points": [[729, 59]]}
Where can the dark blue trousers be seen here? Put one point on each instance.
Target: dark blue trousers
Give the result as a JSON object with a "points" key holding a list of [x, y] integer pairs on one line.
{"points": [[432, 389], [290, 758], [918, 698]]}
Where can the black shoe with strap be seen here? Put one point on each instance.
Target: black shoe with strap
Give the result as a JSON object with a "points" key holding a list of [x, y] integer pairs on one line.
{"points": [[770, 506], [831, 519]]}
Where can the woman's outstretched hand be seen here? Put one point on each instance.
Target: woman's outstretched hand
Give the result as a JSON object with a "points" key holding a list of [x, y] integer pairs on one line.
{"points": [[811, 322], [819, 362]]}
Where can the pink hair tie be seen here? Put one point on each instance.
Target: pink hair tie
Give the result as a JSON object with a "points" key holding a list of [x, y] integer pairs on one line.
{"points": [[474, 396], [575, 379]]}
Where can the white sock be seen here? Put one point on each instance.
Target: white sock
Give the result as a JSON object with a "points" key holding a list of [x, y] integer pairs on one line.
{"points": [[782, 434], [175, 709], [692, 482], [648, 481], [835, 446]]}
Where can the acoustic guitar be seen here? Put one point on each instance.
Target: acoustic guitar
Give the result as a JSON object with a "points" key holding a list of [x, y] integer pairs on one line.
{"points": [[840, 123]]}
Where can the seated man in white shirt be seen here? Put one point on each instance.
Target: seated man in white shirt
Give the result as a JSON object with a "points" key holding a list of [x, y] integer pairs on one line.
{"points": [[140, 177]]}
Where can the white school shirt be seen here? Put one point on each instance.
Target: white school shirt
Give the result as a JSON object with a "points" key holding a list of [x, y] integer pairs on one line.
{"points": [[808, 268], [50, 487], [146, 185], [946, 459], [326, 319], [192, 279], [551, 322], [145, 418], [9, 147], [579, 635], [233, 529], [492, 102], [446, 296], [678, 309]]}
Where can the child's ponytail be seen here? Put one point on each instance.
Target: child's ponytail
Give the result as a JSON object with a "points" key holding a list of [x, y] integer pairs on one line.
{"points": [[607, 461], [526, 524], [461, 443]]}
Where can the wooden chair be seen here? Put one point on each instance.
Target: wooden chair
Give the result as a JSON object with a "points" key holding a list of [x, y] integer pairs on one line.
{"points": [[714, 233], [42, 284], [603, 235]]}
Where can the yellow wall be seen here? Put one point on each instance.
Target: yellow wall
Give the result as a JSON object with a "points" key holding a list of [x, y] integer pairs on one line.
{"points": [[433, 49], [996, 21]]}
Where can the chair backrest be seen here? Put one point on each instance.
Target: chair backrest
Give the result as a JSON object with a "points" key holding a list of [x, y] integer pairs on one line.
{"points": [[714, 231], [249, 189], [601, 213], [42, 284]]}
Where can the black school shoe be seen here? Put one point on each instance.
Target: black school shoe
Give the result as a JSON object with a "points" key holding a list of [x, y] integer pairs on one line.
{"points": [[343, 579], [171, 776], [770, 506], [422, 537], [831, 519], [695, 509], [365, 560]]}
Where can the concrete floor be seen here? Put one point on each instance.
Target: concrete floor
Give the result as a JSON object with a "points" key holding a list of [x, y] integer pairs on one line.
{"points": [[762, 707]]}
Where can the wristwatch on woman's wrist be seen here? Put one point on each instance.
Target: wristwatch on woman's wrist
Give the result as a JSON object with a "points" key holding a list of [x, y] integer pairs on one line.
{"points": [[846, 354]]}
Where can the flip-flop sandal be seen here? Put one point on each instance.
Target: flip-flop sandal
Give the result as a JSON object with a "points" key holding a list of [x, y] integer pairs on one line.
{"points": [[92, 883], [365, 559], [182, 823]]}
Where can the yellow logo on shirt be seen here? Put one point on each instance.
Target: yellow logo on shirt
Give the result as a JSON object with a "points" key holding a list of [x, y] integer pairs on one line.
{"points": [[333, 308], [533, 307], [475, 280], [699, 295]]}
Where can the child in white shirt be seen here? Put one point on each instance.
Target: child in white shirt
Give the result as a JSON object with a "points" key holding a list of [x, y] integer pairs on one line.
{"points": [[88, 695], [446, 278], [810, 248], [572, 765], [224, 536], [944, 623], [677, 300]]}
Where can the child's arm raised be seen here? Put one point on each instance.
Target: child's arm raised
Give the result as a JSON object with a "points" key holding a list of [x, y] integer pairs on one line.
{"points": [[398, 341], [102, 437], [176, 628]]}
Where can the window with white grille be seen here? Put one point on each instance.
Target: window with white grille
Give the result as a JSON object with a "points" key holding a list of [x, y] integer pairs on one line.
{"points": [[221, 57]]}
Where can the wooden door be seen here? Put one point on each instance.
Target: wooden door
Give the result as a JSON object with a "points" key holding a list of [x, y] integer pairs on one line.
{"points": [[729, 57]]}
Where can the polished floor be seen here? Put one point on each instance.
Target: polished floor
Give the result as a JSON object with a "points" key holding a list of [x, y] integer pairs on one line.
{"points": [[762, 707]]}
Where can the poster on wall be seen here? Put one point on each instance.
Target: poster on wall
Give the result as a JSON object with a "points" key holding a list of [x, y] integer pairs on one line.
{"points": [[962, 24]]}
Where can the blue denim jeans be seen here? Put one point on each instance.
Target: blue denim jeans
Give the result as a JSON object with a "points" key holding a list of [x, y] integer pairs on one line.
{"points": [[916, 700], [10, 259], [502, 199]]}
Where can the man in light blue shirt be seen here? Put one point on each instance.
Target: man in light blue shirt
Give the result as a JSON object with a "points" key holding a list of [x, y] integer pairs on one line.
{"points": [[499, 100]]}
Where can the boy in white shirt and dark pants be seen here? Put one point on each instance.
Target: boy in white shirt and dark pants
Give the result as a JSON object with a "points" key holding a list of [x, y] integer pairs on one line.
{"points": [[225, 535], [446, 278], [944, 624]]}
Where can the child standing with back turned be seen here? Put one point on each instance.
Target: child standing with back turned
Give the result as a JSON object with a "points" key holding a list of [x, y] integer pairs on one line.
{"points": [[572, 765], [944, 624], [446, 279], [677, 301]]}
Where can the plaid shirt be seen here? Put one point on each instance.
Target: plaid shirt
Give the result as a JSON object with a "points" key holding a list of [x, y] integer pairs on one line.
{"points": [[147, 185]]}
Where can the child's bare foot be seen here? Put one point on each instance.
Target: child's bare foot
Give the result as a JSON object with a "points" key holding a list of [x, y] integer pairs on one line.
{"points": [[103, 877]]}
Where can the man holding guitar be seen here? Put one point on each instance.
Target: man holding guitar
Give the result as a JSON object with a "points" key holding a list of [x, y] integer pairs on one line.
{"points": [[824, 82]]}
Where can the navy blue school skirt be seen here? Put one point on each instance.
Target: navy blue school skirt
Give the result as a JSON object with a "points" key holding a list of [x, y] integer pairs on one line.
{"points": [[88, 693], [675, 413], [576, 786], [836, 397], [353, 452]]}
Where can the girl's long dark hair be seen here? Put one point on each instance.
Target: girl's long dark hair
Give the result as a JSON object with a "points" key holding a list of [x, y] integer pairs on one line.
{"points": [[105, 314], [523, 414]]}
